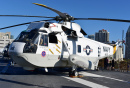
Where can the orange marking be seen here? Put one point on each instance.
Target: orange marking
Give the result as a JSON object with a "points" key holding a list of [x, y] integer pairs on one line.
{"points": [[53, 25]]}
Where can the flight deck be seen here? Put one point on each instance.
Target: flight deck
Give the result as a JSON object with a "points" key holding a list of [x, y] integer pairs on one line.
{"points": [[16, 77]]}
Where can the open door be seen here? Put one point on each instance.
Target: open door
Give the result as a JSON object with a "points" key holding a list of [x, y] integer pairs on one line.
{"points": [[55, 46]]}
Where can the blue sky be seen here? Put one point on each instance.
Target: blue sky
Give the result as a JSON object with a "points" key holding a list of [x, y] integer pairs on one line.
{"points": [[115, 9]]}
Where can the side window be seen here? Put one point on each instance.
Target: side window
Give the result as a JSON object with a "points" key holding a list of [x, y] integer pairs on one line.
{"points": [[44, 40], [53, 39], [79, 48]]}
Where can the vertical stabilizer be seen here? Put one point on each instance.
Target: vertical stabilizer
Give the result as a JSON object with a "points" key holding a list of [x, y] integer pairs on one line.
{"points": [[115, 47]]}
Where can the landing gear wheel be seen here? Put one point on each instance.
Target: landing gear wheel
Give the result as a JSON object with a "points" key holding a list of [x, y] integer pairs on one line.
{"points": [[97, 69], [73, 73]]}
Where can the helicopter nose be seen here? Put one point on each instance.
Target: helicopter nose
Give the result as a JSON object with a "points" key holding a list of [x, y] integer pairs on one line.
{"points": [[16, 47]]}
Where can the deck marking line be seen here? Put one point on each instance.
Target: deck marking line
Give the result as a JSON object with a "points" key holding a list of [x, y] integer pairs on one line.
{"points": [[86, 83], [95, 75]]}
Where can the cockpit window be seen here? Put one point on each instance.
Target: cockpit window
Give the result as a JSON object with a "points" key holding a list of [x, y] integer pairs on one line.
{"points": [[21, 35], [26, 36], [43, 40], [31, 45]]}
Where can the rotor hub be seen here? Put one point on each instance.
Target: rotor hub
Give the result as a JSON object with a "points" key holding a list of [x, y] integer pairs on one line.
{"points": [[66, 18]]}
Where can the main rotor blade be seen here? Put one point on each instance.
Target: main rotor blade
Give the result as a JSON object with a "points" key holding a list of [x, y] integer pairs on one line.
{"points": [[26, 16], [23, 24], [103, 19], [56, 11]]}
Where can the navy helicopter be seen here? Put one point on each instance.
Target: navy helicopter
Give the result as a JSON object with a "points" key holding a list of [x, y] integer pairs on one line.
{"points": [[62, 43]]}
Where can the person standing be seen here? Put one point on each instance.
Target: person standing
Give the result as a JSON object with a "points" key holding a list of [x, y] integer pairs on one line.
{"points": [[113, 64]]}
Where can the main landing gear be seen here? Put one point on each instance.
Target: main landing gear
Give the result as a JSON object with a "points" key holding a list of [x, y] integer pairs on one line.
{"points": [[74, 73]]}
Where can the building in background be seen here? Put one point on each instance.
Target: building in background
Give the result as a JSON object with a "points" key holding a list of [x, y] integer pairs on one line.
{"points": [[127, 45], [102, 36], [5, 39], [5, 35], [91, 37]]}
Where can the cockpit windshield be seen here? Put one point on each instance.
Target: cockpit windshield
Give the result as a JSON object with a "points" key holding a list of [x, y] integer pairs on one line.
{"points": [[27, 36]]}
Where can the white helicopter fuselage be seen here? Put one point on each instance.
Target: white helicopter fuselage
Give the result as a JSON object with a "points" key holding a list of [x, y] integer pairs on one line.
{"points": [[59, 49]]}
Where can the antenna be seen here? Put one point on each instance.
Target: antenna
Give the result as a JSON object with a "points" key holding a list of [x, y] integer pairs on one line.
{"points": [[122, 42]]}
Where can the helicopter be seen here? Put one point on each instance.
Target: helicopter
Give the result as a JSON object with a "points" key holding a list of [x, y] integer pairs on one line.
{"points": [[47, 44]]}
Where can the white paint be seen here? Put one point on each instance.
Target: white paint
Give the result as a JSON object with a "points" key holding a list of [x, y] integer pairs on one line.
{"points": [[94, 75], [90, 74], [86, 83]]}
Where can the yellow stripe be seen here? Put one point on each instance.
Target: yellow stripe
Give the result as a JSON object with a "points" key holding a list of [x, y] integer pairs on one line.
{"points": [[57, 46], [58, 50], [59, 41], [114, 49], [40, 4], [51, 51]]}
